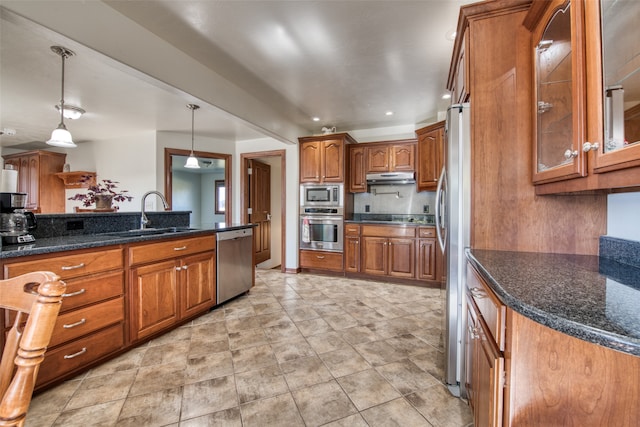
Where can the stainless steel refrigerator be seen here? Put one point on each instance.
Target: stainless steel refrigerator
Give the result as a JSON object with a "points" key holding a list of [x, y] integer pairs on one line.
{"points": [[453, 213]]}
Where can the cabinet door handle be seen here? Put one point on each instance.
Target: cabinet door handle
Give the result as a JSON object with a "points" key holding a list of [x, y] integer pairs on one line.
{"points": [[477, 292], [71, 356], [473, 333], [569, 154], [588, 146], [73, 325], [73, 294], [178, 268], [181, 248], [185, 267], [320, 256], [72, 267]]}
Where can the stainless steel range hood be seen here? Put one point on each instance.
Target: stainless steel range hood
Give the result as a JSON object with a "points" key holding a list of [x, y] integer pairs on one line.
{"points": [[391, 178]]}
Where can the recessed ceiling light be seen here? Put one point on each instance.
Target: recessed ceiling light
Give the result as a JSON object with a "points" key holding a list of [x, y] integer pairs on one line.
{"points": [[316, 119], [446, 96], [389, 113]]}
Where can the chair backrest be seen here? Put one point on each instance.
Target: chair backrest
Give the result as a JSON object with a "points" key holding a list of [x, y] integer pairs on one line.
{"points": [[36, 297]]}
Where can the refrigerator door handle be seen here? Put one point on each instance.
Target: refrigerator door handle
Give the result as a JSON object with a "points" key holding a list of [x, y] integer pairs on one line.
{"points": [[440, 195]]}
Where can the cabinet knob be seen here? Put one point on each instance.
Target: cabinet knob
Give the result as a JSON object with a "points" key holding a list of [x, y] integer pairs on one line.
{"points": [[570, 154], [590, 146], [473, 333]]}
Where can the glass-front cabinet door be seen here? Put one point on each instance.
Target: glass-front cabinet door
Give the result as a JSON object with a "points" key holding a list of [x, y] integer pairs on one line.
{"points": [[614, 87], [559, 110]]}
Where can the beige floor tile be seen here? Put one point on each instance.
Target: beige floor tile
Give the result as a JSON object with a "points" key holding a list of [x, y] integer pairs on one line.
{"points": [[247, 338], [158, 377], [326, 342], [299, 314], [260, 384], [252, 358], [341, 321], [292, 349], [409, 345], [127, 361], [304, 372], [208, 366], [323, 403], [182, 333], [438, 406], [154, 409], [278, 411], [379, 352], [367, 388], [394, 413], [283, 332], [242, 324], [209, 396], [267, 307], [199, 348], [406, 377], [105, 414], [211, 331], [312, 327], [96, 390], [344, 362], [358, 335], [227, 418], [172, 352], [354, 420]]}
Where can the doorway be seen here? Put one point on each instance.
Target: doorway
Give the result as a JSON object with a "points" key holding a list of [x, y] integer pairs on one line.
{"points": [[199, 190], [277, 225]]}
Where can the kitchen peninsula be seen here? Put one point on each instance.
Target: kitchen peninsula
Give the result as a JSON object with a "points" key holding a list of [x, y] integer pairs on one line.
{"points": [[558, 336], [125, 285]]}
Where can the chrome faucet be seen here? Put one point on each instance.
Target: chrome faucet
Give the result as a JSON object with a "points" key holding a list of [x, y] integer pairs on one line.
{"points": [[144, 221]]}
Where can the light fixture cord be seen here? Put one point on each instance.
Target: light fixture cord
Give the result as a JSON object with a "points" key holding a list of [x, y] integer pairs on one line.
{"points": [[64, 56], [192, 124]]}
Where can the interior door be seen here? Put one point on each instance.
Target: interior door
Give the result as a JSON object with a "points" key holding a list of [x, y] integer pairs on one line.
{"points": [[260, 204]]}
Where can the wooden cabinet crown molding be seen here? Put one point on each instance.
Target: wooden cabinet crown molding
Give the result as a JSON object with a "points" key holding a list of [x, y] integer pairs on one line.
{"points": [[480, 10]]}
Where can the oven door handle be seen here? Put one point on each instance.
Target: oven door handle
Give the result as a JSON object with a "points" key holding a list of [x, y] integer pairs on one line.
{"points": [[322, 218]]}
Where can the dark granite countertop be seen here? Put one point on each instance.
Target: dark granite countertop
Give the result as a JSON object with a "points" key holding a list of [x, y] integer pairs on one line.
{"points": [[426, 220], [592, 298], [85, 241]]}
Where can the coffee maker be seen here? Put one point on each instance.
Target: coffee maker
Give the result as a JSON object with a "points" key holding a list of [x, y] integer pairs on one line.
{"points": [[15, 222]]}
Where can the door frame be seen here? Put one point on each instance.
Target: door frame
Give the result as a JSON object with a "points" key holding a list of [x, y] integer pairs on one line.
{"points": [[244, 200], [168, 174]]}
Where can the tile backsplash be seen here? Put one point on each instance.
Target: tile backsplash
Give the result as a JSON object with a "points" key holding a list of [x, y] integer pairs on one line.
{"points": [[394, 199]]}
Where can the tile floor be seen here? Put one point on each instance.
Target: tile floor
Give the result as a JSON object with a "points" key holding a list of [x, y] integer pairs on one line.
{"points": [[298, 350]]}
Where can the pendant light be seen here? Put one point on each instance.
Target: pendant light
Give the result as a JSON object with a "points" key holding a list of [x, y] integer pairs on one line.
{"points": [[192, 161], [61, 137]]}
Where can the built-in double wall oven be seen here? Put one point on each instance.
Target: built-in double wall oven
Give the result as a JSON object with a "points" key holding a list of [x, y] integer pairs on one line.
{"points": [[321, 217]]}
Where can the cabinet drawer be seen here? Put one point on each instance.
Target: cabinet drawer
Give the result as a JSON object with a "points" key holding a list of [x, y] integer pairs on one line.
{"points": [[76, 323], [352, 230], [428, 232], [70, 265], [170, 249], [78, 354], [83, 291], [321, 260], [389, 230], [491, 309]]}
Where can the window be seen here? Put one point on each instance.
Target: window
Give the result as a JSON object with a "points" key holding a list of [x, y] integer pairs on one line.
{"points": [[220, 196]]}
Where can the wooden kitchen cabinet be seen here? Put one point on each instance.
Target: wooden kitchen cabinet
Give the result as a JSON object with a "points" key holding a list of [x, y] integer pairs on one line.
{"points": [[396, 157], [36, 177], [388, 250], [321, 260], [430, 156], [484, 343], [427, 246], [322, 158], [91, 323], [607, 145], [352, 248], [357, 173], [170, 281]]}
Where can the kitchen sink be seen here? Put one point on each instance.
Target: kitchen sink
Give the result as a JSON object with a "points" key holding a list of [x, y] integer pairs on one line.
{"points": [[138, 232]]}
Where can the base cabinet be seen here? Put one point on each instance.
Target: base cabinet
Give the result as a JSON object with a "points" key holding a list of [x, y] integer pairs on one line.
{"points": [[522, 373], [166, 289], [388, 256], [321, 260]]}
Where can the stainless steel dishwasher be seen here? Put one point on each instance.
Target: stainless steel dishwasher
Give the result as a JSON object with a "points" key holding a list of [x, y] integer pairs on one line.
{"points": [[234, 272]]}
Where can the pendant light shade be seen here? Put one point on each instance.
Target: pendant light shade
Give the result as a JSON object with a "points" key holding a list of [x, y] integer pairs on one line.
{"points": [[61, 137], [192, 161]]}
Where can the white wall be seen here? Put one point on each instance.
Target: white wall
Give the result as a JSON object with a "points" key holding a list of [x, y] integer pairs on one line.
{"points": [[208, 199], [623, 216], [186, 195], [126, 160]]}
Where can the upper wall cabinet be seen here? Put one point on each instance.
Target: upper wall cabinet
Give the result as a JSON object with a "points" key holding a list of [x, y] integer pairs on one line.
{"points": [[430, 156], [602, 146], [399, 157], [615, 89], [559, 109], [322, 158]]}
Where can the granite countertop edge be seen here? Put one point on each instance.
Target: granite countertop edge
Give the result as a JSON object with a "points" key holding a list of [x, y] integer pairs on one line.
{"points": [[88, 241], [623, 343]]}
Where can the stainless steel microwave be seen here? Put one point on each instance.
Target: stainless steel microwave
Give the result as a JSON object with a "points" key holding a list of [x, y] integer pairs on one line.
{"points": [[322, 195]]}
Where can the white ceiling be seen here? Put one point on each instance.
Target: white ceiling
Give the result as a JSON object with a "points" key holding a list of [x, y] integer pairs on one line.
{"points": [[346, 62]]}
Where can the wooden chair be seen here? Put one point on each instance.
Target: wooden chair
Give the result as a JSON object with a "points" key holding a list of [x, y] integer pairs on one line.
{"points": [[36, 297]]}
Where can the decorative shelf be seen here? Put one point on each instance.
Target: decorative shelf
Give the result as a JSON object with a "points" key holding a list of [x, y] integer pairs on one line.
{"points": [[77, 179]]}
